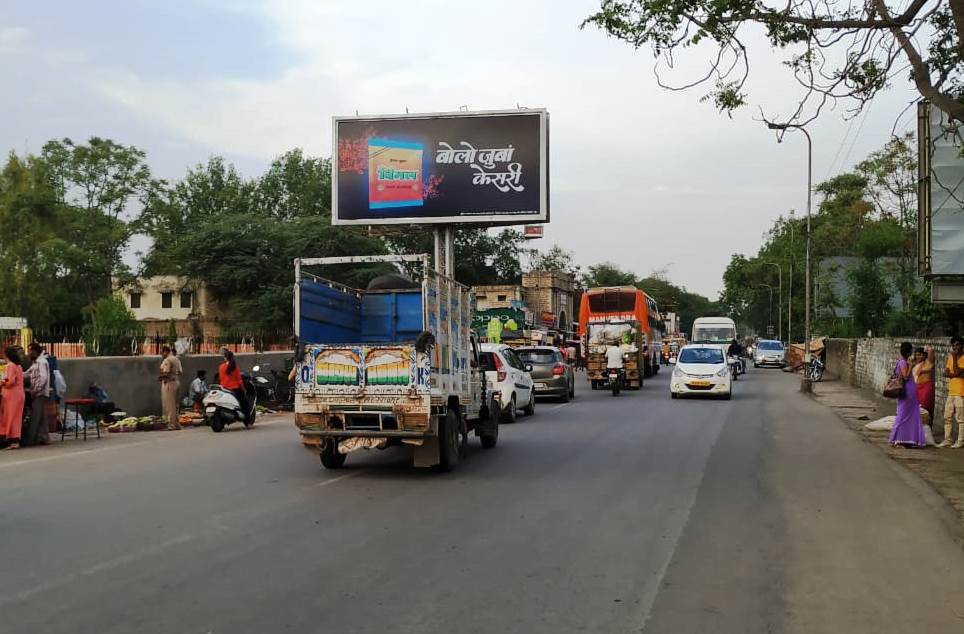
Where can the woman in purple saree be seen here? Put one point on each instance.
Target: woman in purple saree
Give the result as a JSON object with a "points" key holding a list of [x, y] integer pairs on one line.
{"points": [[908, 431]]}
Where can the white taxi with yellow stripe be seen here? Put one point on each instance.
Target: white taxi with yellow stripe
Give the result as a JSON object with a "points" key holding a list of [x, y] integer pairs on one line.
{"points": [[701, 369]]}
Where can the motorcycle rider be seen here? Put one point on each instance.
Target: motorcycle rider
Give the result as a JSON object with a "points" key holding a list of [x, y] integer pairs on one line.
{"points": [[736, 350], [614, 359], [229, 377]]}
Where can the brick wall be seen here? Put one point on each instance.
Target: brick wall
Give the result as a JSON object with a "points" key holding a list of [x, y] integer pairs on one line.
{"points": [[868, 363]]}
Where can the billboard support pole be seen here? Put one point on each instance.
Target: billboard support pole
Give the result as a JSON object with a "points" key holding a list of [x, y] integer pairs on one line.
{"points": [[444, 252]]}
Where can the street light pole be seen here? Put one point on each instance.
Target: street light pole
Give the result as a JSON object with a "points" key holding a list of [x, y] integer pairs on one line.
{"points": [[805, 385], [769, 307], [779, 300]]}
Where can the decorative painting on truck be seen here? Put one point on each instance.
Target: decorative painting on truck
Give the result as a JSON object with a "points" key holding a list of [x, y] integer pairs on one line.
{"points": [[374, 369], [337, 366], [389, 366]]}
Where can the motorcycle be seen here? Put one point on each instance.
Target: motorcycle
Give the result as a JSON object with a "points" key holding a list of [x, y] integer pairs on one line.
{"points": [[734, 363], [266, 385], [221, 406], [816, 370], [615, 377]]}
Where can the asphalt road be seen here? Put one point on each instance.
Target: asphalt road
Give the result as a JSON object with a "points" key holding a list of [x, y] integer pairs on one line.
{"points": [[629, 514]]}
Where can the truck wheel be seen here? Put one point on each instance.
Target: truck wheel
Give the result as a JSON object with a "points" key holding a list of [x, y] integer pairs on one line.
{"points": [[594, 386], [491, 436], [509, 413], [331, 458], [449, 442], [530, 409]]}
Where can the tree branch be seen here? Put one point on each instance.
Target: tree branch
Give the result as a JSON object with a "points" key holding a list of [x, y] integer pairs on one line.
{"points": [[921, 72]]}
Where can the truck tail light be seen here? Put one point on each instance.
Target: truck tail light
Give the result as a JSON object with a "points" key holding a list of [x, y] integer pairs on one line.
{"points": [[558, 369], [499, 368]]}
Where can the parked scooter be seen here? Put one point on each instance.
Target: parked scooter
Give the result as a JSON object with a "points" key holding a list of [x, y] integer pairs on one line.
{"points": [[222, 408]]}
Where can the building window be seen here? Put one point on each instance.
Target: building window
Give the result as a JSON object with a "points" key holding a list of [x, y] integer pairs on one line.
{"points": [[186, 300], [501, 298], [167, 300], [135, 300]]}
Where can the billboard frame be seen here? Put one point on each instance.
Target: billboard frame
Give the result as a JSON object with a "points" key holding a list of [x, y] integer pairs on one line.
{"points": [[542, 216]]}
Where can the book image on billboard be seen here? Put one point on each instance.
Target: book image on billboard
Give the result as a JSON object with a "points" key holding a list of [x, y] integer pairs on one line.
{"points": [[394, 174]]}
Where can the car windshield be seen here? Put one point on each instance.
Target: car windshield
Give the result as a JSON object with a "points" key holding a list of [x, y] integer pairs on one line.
{"points": [[723, 334], [701, 355], [770, 345], [537, 357]]}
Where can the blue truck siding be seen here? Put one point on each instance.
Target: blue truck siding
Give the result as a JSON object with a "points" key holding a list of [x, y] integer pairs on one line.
{"points": [[332, 316]]}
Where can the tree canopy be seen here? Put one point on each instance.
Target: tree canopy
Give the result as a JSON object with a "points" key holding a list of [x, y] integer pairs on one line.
{"points": [[835, 49]]}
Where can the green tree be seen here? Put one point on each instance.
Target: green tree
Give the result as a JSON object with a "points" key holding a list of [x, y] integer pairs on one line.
{"points": [[103, 183], [607, 274], [480, 258], [555, 259], [869, 297], [836, 50], [112, 329]]}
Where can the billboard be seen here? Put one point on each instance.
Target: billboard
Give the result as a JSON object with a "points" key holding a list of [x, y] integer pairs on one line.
{"points": [[941, 203], [462, 167]]}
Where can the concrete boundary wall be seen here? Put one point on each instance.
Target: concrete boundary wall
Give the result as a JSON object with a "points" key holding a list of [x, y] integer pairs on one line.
{"points": [[132, 382], [868, 363]]}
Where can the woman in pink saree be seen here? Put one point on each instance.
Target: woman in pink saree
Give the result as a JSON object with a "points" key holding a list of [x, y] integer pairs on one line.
{"points": [[11, 399]]}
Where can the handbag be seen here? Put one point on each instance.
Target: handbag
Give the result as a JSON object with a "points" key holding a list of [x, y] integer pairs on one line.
{"points": [[894, 388]]}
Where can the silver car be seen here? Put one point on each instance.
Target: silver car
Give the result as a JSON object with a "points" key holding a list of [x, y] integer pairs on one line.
{"points": [[551, 373], [769, 352]]}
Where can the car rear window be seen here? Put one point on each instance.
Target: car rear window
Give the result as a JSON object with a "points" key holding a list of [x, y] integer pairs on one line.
{"points": [[770, 345], [487, 361], [537, 357]]}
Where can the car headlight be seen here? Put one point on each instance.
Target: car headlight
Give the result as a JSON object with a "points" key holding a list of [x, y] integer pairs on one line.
{"points": [[723, 372], [678, 373]]}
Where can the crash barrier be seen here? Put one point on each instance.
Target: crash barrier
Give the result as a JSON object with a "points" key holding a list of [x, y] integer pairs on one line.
{"points": [[868, 363], [131, 382]]}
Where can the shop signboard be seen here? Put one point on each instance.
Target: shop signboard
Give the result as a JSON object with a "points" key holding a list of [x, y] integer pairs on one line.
{"points": [[533, 232], [12, 323], [465, 167], [480, 322]]}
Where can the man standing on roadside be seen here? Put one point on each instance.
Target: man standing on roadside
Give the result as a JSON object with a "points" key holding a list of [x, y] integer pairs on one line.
{"points": [[954, 406], [39, 375], [169, 376]]}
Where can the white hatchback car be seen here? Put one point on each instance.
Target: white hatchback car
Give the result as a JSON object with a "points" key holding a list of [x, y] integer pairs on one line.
{"points": [[510, 378], [701, 369]]}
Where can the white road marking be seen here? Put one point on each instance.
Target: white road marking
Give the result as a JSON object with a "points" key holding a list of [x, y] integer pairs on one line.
{"points": [[95, 569], [325, 483]]}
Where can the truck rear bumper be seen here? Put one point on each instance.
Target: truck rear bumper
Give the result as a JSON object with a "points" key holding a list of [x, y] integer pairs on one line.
{"points": [[362, 433]]}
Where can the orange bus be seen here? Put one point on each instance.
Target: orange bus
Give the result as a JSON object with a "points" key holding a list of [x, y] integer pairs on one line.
{"points": [[626, 305]]}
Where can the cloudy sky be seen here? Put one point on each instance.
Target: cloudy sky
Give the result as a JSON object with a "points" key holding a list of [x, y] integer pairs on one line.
{"points": [[646, 178]]}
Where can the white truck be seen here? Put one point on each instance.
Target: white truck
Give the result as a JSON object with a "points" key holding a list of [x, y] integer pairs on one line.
{"points": [[387, 367]]}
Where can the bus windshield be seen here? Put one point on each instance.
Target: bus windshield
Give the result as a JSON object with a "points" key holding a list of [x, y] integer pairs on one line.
{"points": [[714, 334]]}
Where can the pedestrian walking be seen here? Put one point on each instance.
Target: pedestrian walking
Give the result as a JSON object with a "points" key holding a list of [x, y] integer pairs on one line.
{"points": [[11, 399], [38, 376], [908, 430], [954, 405], [924, 379], [169, 376]]}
